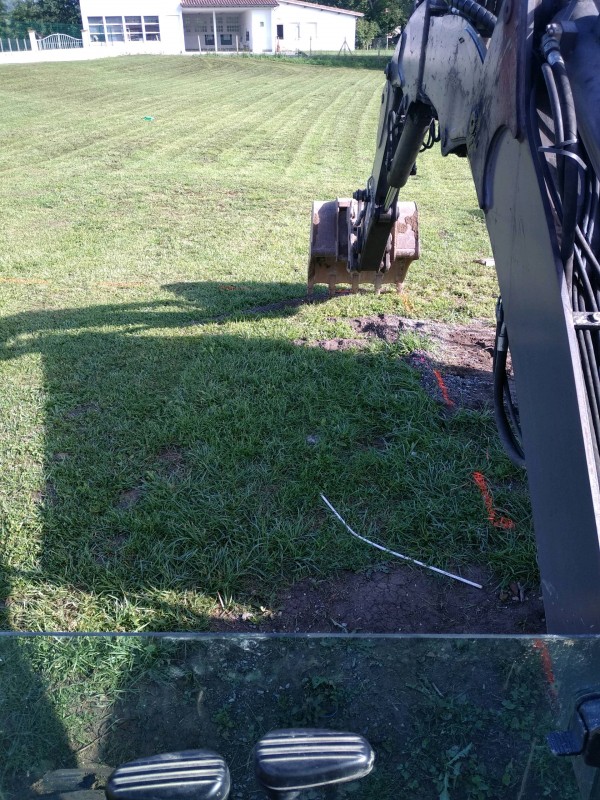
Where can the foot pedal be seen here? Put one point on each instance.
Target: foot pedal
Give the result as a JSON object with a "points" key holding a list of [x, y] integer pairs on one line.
{"points": [[188, 775], [289, 761]]}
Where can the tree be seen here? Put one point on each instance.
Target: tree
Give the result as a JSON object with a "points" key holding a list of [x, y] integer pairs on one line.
{"points": [[366, 31], [3, 17], [32, 12], [23, 12], [66, 12], [387, 14]]}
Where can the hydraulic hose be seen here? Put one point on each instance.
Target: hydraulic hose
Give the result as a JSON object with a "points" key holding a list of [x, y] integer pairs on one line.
{"points": [[484, 20], [509, 433]]}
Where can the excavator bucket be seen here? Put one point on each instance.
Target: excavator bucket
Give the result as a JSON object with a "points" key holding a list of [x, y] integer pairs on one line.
{"points": [[330, 240]]}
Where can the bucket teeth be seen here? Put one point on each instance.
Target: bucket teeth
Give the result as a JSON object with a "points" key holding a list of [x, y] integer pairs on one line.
{"points": [[330, 242]]}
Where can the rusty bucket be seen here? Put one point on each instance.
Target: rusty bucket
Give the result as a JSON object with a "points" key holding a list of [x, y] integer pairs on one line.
{"points": [[331, 238]]}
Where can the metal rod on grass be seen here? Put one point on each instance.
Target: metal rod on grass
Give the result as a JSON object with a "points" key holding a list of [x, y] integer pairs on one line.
{"points": [[399, 555]]}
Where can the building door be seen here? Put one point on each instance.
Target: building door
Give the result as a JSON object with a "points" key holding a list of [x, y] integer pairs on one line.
{"points": [[191, 31], [261, 31]]}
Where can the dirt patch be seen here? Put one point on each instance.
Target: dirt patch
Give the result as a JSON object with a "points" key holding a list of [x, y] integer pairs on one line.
{"points": [[47, 496], [171, 461], [129, 498], [397, 599], [458, 370], [455, 361]]}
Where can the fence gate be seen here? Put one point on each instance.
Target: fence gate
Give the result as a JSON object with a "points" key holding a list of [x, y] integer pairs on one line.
{"points": [[58, 41]]}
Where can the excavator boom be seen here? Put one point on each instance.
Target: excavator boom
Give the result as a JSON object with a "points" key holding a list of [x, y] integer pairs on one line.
{"points": [[513, 86]]}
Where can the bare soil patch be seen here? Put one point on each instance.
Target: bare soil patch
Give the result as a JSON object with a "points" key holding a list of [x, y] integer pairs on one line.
{"points": [[461, 354], [397, 599]]}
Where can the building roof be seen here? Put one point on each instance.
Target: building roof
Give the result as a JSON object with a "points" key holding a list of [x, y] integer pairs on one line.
{"points": [[228, 3], [323, 8], [263, 4]]}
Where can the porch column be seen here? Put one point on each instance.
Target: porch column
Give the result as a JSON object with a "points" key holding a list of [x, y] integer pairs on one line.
{"points": [[215, 30]]}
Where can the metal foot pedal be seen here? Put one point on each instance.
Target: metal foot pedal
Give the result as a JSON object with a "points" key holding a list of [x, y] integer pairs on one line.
{"points": [[187, 775], [289, 761]]}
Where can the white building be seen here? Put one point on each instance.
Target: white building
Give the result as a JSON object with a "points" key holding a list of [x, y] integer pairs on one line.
{"points": [[177, 26]]}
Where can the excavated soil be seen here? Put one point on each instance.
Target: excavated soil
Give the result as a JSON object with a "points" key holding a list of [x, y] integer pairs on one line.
{"points": [[397, 599], [461, 354]]}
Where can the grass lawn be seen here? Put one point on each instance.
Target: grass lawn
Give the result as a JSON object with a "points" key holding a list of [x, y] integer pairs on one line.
{"points": [[161, 443]]}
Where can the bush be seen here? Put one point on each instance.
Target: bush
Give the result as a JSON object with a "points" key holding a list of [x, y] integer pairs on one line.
{"points": [[366, 31]]}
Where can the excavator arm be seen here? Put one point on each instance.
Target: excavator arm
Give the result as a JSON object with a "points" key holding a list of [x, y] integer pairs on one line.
{"points": [[514, 86]]}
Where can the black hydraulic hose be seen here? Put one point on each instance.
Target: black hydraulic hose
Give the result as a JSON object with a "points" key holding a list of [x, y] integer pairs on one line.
{"points": [[508, 435], [555, 109], [586, 284], [476, 13], [589, 362], [575, 199], [493, 6], [553, 190], [590, 370], [587, 209], [589, 233], [569, 182]]}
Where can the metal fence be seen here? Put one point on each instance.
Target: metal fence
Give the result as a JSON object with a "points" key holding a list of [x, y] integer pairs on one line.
{"points": [[58, 41], [14, 44]]}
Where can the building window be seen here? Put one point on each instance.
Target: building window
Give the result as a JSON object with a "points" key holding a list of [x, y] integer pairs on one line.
{"points": [[247, 36], [151, 29], [119, 29], [226, 39], [114, 29], [133, 29], [209, 40], [96, 28], [280, 31]]}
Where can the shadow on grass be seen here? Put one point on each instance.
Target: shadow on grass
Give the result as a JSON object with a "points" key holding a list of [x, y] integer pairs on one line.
{"points": [[32, 738], [468, 714], [185, 454]]}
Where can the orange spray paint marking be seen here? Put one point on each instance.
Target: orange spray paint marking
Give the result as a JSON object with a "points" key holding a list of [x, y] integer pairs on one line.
{"points": [[546, 659], [443, 388], [497, 520]]}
